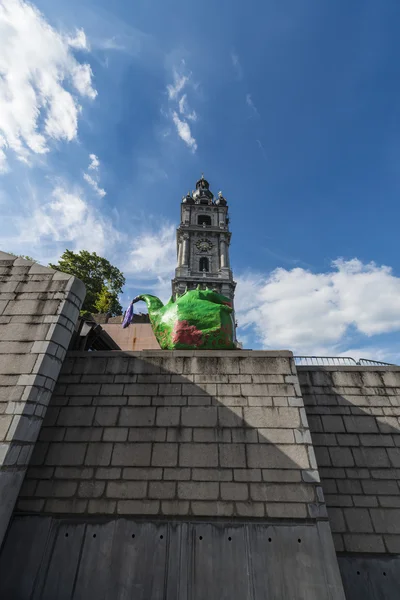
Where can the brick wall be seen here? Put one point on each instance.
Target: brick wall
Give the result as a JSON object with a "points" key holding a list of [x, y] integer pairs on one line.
{"points": [[176, 433], [38, 311], [353, 414]]}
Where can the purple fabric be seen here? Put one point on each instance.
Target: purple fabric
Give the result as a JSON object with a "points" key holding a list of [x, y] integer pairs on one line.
{"points": [[128, 316]]}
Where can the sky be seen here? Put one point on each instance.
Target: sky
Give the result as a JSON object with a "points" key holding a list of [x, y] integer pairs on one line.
{"points": [[110, 112]]}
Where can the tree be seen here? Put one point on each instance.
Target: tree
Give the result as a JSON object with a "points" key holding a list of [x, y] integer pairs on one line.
{"points": [[27, 257], [103, 281], [105, 301]]}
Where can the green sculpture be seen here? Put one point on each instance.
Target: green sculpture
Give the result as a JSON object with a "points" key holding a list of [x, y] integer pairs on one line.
{"points": [[199, 319]]}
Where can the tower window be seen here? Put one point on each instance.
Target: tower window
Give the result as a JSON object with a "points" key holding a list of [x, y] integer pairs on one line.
{"points": [[204, 264], [204, 220]]}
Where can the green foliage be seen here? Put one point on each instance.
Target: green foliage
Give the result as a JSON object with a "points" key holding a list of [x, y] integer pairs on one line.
{"points": [[103, 281], [27, 257], [85, 314], [105, 301]]}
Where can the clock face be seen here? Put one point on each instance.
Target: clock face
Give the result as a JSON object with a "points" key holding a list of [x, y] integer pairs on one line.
{"points": [[204, 245]]}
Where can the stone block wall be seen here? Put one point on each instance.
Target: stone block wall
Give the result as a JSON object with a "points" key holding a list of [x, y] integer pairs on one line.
{"points": [[38, 311], [176, 433], [353, 413]]}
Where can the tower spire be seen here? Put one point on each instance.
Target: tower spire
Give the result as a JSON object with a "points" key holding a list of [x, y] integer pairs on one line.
{"points": [[203, 240]]}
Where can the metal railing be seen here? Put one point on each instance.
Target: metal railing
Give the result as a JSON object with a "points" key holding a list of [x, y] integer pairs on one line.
{"points": [[370, 362], [337, 361], [324, 361]]}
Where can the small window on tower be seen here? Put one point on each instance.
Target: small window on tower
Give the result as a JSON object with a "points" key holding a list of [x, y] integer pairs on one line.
{"points": [[204, 264], [204, 220]]}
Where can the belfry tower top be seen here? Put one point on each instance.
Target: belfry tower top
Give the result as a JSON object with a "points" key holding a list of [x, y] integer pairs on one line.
{"points": [[203, 240]]}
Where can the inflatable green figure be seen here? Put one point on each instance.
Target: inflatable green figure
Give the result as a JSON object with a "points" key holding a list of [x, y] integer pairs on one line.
{"points": [[199, 319]]}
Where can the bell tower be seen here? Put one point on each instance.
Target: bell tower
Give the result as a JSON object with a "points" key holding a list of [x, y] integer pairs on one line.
{"points": [[203, 239]]}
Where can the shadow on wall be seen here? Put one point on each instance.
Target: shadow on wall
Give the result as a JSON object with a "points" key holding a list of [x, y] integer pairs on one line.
{"points": [[255, 436], [166, 437], [353, 415]]}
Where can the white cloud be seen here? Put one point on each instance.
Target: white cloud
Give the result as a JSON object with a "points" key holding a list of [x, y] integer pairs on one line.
{"points": [[117, 35], [99, 191], [383, 354], [184, 109], [311, 313], [82, 80], [182, 104], [179, 103], [179, 83], [252, 106], [69, 218], [79, 41], [3, 158], [184, 132], [110, 44], [94, 162], [153, 254], [93, 180], [36, 62]]}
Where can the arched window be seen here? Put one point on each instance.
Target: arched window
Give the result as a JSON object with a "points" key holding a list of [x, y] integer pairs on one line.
{"points": [[203, 220], [204, 264]]}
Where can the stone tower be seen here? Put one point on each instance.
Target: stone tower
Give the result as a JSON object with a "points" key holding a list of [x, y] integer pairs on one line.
{"points": [[203, 239]]}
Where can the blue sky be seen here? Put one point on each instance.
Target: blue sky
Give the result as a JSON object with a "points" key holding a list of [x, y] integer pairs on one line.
{"points": [[109, 112]]}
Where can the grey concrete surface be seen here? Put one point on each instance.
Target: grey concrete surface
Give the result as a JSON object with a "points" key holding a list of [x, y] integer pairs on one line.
{"points": [[172, 560], [370, 577]]}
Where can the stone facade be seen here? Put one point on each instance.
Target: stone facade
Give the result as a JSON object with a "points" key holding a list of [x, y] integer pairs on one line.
{"points": [[38, 311], [176, 433], [354, 415]]}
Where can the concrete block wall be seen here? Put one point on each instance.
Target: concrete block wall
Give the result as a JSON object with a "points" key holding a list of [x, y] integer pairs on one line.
{"points": [[176, 433], [38, 311], [354, 413]]}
